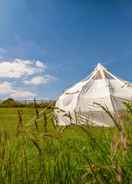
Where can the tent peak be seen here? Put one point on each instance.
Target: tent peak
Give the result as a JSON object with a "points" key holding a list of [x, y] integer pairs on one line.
{"points": [[78, 104], [99, 66], [100, 72]]}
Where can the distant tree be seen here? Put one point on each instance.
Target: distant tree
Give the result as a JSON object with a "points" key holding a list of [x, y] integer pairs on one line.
{"points": [[10, 102]]}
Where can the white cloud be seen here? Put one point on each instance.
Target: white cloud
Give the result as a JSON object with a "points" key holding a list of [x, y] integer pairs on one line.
{"points": [[37, 80], [22, 94], [29, 72], [39, 64], [6, 88], [18, 68]]}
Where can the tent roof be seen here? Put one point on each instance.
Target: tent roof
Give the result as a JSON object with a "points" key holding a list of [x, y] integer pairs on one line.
{"points": [[101, 87]]}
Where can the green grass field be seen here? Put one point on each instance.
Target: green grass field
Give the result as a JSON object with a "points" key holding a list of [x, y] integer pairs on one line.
{"points": [[39, 152], [9, 118]]}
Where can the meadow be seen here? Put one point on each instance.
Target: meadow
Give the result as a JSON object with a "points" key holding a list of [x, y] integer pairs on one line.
{"points": [[35, 151]]}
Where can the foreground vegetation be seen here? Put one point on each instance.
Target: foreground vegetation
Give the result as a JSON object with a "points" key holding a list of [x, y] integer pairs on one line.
{"points": [[38, 152]]}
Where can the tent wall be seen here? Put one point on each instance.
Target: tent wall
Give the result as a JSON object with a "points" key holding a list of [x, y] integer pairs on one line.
{"points": [[79, 104]]}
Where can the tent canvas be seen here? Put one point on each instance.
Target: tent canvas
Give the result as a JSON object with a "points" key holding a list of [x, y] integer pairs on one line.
{"points": [[80, 103]]}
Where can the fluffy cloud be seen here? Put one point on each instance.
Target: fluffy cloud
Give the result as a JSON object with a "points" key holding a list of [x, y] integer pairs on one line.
{"points": [[5, 88], [18, 68], [37, 80], [22, 94], [39, 64], [29, 72]]}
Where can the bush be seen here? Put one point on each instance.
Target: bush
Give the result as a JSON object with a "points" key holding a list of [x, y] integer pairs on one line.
{"points": [[10, 102]]}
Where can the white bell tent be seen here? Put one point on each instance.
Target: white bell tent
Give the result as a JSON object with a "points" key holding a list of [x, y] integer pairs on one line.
{"points": [[80, 103]]}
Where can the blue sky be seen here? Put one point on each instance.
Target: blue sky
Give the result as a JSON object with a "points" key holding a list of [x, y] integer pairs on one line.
{"points": [[48, 45]]}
